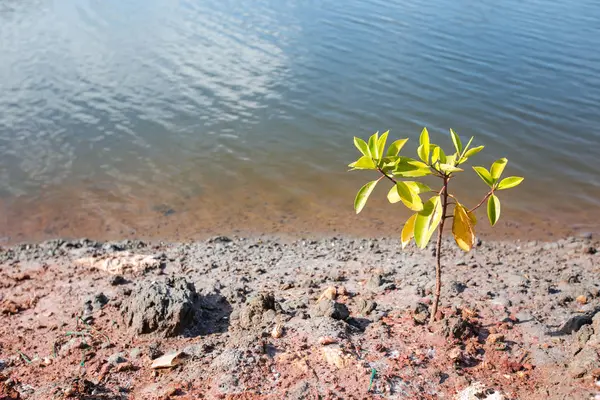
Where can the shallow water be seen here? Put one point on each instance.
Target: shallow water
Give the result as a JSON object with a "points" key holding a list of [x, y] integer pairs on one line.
{"points": [[178, 118]]}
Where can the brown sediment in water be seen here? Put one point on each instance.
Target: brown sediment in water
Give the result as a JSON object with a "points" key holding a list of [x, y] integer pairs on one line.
{"points": [[103, 214]]}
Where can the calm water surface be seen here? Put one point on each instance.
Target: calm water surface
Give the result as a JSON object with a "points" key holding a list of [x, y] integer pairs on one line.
{"points": [[171, 118]]}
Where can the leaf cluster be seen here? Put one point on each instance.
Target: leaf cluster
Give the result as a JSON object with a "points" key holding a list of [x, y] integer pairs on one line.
{"points": [[401, 171]]}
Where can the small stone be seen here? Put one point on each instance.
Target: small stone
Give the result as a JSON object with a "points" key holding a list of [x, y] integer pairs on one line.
{"points": [[365, 307], [590, 250], [329, 293], [326, 340], [455, 354], [375, 282], [495, 338], [277, 331], [581, 299], [116, 358], [421, 314], [135, 352], [330, 308], [334, 356]]}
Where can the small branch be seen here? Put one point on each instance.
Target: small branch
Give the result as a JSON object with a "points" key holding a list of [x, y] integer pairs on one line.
{"points": [[487, 196], [386, 176]]}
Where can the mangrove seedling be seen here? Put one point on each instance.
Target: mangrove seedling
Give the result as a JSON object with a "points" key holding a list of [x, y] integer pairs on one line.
{"points": [[431, 214]]}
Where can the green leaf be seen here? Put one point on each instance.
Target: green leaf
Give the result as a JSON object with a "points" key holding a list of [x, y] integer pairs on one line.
{"points": [[451, 159], [473, 151], [484, 175], [510, 182], [424, 148], [395, 147], [466, 148], [381, 143], [373, 148], [389, 163], [437, 154], [449, 168], [365, 162], [405, 193], [418, 187], [493, 209], [408, 230], [498, 168], [362, 146], [456, 141], [362, 196], [409, 168], [427, 221]]}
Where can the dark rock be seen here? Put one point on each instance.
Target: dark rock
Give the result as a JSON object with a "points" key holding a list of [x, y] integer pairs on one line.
{"points": [[154, 350], [117, 280], [457, 287], [168, 307], [258, 311], [331, 309], [590, 250]]}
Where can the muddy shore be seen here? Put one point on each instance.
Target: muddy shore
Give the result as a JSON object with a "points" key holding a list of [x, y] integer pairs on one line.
{"points": [[273, 318]]}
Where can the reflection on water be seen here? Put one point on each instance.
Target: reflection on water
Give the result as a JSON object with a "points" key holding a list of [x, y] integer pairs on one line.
{"points": [[240, 113]]}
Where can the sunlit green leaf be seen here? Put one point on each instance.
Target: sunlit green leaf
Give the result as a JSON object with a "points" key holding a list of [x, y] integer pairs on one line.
{"points": [[402, 191], [456, 141], [395, 147], [484, 175], [473, 151], [381, 143], [466, 148], [462, 228], [418, 187], [388, 164], [437, 154], [451, 159], [427, 221], [362, 196], [362, 146], [365, 162], [424, 148], [449, 168], [510, 182], [493, 209], [498, 168], [409, 168], [373, 148], [408, 230]]}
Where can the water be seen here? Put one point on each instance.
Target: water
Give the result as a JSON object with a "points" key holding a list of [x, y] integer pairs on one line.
{"points": [[170, 119]]}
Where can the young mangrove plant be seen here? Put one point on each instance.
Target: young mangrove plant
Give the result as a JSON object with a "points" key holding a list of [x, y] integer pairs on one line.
{"points": [[431, 214]]}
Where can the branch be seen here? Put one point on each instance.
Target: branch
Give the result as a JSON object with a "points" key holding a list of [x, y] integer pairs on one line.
{"points": [[387, 176], [487, 196]]}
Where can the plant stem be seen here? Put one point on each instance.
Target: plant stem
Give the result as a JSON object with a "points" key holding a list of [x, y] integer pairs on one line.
{"points": [[438, 252], [491, 192]]}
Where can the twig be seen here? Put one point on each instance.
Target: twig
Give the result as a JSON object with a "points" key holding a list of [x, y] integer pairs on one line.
{"points": [[373, 373], [24, 357], [487, 196]]}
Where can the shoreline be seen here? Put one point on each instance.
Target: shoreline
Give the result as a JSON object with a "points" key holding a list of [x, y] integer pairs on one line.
{"points": [[506, 311]]}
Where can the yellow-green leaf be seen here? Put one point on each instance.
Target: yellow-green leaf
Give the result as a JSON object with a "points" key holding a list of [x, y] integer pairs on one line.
{"points": [[362, 146], [510, 182], [408, 230], [449, 168], [409, 197], [381, 143], [437, 154], [427, 221], [409, 168], [424, 148], [484, 175], [466, 148], [395, 147], [493, 209], [365, 162], [373, 148], [462, 228], [362, 196], [456, 141], [418, 187], [498, 168], [473, 151]]}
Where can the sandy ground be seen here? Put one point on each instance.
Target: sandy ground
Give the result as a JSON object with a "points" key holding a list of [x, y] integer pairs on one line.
{"points": [[269, 318]]}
